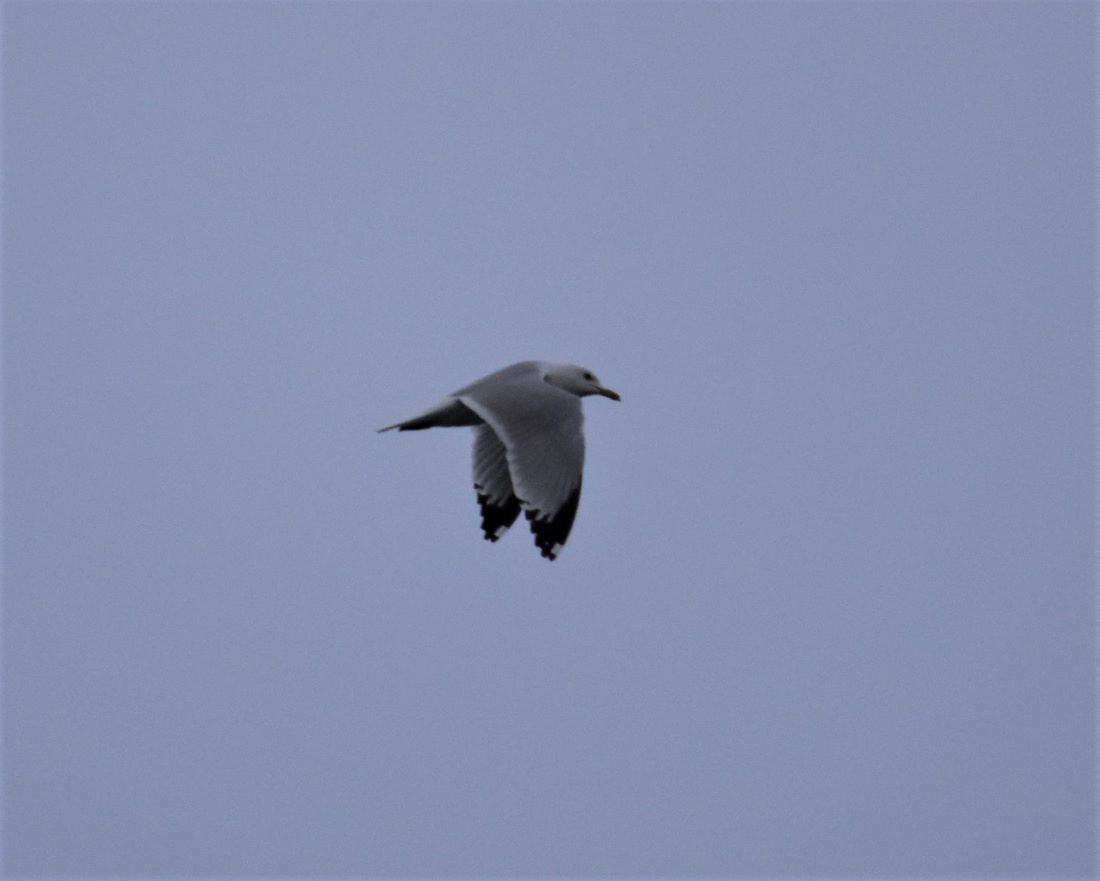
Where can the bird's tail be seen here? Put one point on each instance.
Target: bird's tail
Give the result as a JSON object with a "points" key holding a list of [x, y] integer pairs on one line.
{"points": [[451, 412]]}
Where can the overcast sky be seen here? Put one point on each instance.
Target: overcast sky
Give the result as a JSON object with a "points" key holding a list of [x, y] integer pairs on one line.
{"points": [[828, 604]]}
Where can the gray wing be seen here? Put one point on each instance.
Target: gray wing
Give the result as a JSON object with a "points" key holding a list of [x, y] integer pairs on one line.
{"points": [[493, 483], [541, 428]]}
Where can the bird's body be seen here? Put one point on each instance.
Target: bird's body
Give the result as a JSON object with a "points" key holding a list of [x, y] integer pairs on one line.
{"points": [[528, 445]]}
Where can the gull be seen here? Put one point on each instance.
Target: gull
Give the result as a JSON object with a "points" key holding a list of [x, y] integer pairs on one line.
{"points": [[528, 445]]}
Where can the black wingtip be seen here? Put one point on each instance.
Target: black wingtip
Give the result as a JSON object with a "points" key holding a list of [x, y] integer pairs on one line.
{"points": [[496, 517], [551, 533]]}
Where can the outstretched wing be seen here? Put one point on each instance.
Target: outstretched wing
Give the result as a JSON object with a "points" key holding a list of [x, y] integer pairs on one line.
{"points": [[499, 505], [541, 427]]}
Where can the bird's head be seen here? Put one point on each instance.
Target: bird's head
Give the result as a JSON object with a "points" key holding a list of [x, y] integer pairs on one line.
{"points": [[577, 381]]}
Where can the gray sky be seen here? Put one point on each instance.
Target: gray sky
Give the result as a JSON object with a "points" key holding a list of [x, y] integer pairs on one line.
{"points": [[828, 604]]}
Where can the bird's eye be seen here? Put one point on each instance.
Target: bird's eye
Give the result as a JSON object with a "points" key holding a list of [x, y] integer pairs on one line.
{"points": [[589, 377]]}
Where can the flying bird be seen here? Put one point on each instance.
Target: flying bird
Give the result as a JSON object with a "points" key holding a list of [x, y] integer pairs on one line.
{"points": [[528, 445]]}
